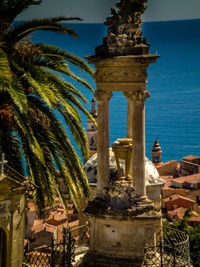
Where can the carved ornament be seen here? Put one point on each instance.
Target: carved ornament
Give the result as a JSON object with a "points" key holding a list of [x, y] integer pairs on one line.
{"points": [[120, 73], [101, 95], [5, 220], [137, 96], [140, 96], [124, 34]]}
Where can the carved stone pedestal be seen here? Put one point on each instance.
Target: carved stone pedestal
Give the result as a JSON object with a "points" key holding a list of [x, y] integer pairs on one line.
{"points": [[121, 218], [119, 227]]}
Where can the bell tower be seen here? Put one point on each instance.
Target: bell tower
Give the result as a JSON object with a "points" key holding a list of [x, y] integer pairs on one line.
{"points": [[156, 152], [91, 129]]}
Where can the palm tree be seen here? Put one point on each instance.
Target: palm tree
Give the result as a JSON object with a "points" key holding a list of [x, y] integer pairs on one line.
{"points": [[31, 95]]}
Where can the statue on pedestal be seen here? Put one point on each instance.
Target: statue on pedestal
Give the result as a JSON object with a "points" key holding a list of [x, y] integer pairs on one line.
{"points": [[124, 36]]}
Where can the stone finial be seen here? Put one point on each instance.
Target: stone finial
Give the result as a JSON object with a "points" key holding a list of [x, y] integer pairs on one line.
{"points": [[124, 36], [156, 152], [2, 163], [93, 109], [156, 146]]}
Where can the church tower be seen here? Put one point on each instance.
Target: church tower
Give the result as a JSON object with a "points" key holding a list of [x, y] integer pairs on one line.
{"points": [[91, 129], [156, 152]]}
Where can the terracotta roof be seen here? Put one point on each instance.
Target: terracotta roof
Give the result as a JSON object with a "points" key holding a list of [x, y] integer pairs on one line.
{"points": [[37, 222], [194, 219], [193, 179], [57, 217], [175, 190], [60, 210], [166, 177], [179, 212], [177, 196], [189, 163], [74, 223], [190, 157], [166, 163], [44, 227]]}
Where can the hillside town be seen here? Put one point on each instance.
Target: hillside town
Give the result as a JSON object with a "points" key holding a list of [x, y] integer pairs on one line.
{"points": [[68, 195]]}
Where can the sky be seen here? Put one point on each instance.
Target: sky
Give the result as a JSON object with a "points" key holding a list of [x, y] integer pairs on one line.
{"points": [[96, 11]]}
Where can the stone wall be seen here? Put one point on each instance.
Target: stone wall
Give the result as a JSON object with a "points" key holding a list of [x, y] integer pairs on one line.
{"points": [[188, 168], [12, 219]]}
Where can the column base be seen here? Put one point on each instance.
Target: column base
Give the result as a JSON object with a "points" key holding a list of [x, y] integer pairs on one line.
{"points": [[142, 200], [99, 260]]}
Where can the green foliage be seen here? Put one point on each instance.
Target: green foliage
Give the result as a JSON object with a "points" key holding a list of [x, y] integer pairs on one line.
{"points": [[31, 94], [194, 236]]}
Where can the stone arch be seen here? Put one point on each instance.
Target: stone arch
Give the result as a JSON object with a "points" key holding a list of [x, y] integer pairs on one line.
{"points": [[3, 247]]}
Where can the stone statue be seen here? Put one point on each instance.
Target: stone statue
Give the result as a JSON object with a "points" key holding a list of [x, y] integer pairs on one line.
{"points": [[124, 36]]}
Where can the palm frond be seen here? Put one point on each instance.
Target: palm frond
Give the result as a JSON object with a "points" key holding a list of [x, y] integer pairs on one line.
{"points": [[33, 98], [10, 9], [25, 131], [17, 94], [51, 52], [77, 132], [21, 29], [63, 68], [62, 86], [5, 71]]}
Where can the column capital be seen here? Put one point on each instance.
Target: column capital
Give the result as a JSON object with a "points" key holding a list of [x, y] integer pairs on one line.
{"points": [[101, 95], [137, 96], [128, 94]]}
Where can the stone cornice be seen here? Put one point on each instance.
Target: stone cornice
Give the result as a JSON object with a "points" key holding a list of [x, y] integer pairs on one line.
{"points": [[133, 59]]}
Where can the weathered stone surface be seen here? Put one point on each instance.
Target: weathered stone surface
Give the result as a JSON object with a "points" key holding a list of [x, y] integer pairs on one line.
{"points": [[118, 239], [95, 259], [122, 73], [120, 200], [151, 174], [12, 215], [124, 35], [121, 217]]}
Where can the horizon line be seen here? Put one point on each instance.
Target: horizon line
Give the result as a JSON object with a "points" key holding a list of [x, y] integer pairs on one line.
{"points": [[147, 21]]}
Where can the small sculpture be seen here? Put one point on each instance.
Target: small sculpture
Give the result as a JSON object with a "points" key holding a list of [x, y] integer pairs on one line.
{"points": [[124, 36], [122, 149]]}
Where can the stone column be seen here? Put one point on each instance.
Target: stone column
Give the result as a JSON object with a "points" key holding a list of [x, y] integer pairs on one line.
{"points": [[138, 133], [128, 96], [103, 173]]}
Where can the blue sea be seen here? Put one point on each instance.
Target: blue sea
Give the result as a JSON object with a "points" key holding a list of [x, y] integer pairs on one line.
{"points": [[173, 110]]}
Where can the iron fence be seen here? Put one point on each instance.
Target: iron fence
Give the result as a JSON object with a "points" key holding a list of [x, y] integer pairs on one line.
{"points": [[74, 242], [170, 249]]}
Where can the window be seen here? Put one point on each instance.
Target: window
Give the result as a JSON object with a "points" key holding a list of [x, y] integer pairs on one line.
{"points": [[92, 141], [2, 248], [156, 159]]}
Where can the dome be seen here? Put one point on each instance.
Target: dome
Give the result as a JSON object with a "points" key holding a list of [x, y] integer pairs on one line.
{"points": [[151, 174]]}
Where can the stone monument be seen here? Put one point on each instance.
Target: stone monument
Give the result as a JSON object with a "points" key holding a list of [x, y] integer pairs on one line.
{"points": [[12, 216], [121, 216]]}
